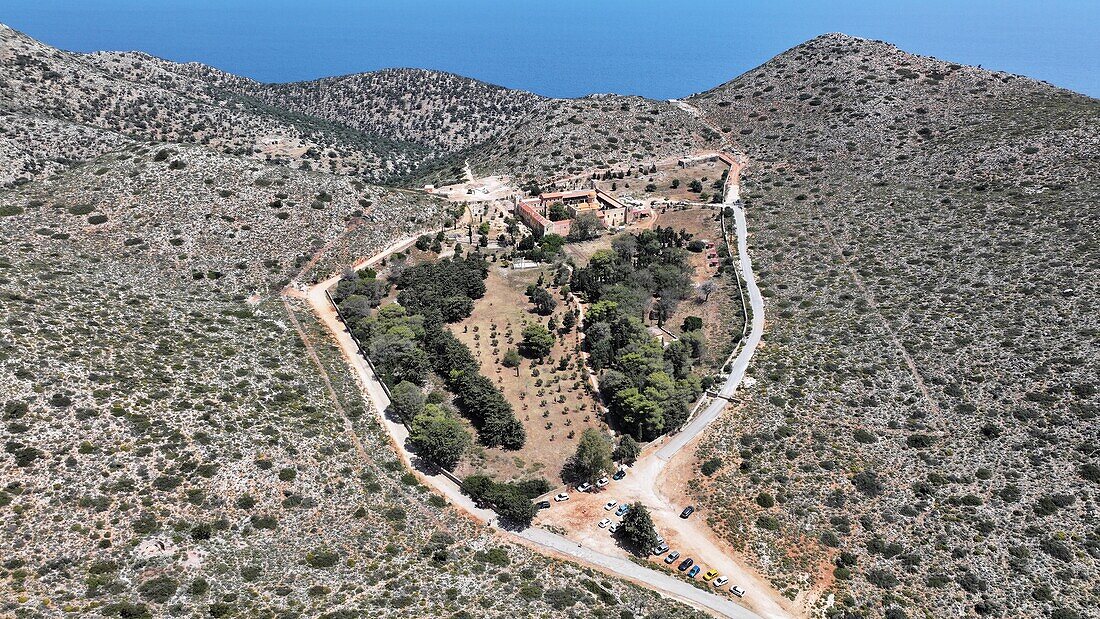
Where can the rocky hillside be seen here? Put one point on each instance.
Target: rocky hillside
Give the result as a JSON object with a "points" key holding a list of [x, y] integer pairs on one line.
{"points": [[922, 436], [500, 131], [170, 445], [192, 216], [91, 104], [567, 136], [442, 111]]}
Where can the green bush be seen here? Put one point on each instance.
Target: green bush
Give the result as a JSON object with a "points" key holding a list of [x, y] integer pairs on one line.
{"points": [[710, 466], [768, 523], [159, 589], [321, 558]]}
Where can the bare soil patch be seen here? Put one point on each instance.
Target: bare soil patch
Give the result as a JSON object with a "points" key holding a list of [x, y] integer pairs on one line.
{"points": [[721, 311], [549, 398], [668, 172]]}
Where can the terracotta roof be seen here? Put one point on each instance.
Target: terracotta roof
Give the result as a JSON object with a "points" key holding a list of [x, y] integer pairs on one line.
{"points": [[530, 210]]}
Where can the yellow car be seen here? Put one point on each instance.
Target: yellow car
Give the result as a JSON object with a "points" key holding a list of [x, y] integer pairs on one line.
{"points": [[709, 576]]}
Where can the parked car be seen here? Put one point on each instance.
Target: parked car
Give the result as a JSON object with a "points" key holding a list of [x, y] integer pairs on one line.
{"points": [[686, 563], [585, 487], [621, 511], [738, 591], [542, 505], [689, 510], [601, 482], [610, 505], [709, 576], [619, 474], [614, 527], [606, 522], [561, 497], [660, 540], [661, 549], [694, 571], [721, 580], [672, 556]]}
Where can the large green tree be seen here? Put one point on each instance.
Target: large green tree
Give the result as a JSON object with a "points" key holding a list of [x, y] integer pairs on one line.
{"points": [[544, 302], [406, 401], [637, 530], [537, 341], [592, 459], [439, 437], [586, 226], [510, 500], [627, 451]]}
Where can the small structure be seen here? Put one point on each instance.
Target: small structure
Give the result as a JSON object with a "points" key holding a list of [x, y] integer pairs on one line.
{"points": [[725, 158]]}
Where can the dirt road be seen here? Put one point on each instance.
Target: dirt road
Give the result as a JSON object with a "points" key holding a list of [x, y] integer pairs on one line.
{"points": [[648, 475], [539, 539], [666, 466]]}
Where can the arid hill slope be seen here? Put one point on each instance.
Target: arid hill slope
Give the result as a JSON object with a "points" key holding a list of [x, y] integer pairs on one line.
{"points": [[60, 105], [169, 445], [922, 437], [563, 137], [442, 111]]}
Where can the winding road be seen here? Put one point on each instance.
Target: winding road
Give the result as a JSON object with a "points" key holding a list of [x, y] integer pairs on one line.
{"points": [[644, 477], [741, 363]]}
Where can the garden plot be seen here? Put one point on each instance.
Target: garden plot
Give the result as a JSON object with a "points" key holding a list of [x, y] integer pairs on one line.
{"points": [[549, 397]]}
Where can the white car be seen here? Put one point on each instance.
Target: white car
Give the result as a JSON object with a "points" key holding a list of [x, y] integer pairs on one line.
{"points": [[585, 487], [614, 527], [738, 591], [610, 505], [561, 497], [606, 522], [721, 580], [601, 482]]}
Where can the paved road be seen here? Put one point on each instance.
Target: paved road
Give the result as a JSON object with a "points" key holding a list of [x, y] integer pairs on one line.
{"points": [[645, 472], [662, 582], [741, 363], [540, 538]]}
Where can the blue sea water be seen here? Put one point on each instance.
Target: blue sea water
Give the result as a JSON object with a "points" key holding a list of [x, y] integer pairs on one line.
{"points": [[567, 47]]}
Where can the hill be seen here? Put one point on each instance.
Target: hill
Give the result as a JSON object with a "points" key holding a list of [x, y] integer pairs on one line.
{"points": [[498, 130], [170, 444], [91, 104], [441, 111], [921, 438], [567, 136]]}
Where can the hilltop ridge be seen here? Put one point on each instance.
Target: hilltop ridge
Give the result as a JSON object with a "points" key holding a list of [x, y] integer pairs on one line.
{"points": [[918, 437]]}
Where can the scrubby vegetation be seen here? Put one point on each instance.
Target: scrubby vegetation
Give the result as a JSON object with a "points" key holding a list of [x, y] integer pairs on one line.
{"points": [[925, 400]]}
